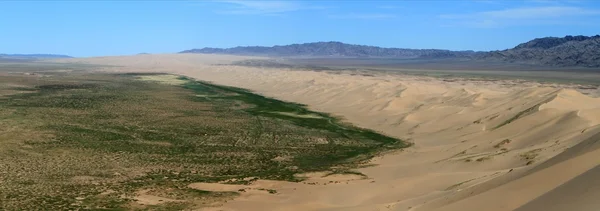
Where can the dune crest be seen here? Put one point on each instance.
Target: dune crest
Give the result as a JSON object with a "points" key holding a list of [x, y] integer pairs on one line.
{"points": [[479, 145]]}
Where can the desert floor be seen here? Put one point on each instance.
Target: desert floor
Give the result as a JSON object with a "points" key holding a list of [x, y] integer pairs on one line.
{"points": [[478, 144]]}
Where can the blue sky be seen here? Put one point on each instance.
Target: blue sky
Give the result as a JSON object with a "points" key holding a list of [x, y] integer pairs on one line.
{"points": [[97, 28]]}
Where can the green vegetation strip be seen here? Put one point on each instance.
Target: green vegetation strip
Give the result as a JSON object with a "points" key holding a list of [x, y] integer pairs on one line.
{"points": [[92, 141], [269, 107]]}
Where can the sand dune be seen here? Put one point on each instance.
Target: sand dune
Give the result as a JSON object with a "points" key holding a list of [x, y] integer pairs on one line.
{"points": [[479, 145]]}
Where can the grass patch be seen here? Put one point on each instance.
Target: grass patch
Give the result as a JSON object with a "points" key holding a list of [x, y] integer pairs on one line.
{"points": [[518, 115], [345, 171], [529, 156], [452, 187], [271, 191], [481, 159], [502, 143], [165, 79]]}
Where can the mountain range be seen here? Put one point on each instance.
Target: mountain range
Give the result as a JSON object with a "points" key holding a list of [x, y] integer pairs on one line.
{"points": [[566, 51], [328, 49], [582, 51]]}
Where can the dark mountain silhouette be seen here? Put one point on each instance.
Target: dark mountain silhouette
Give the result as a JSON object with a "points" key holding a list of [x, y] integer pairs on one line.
{"points": [[329, 49], [581, 51], [549, 42], [567, 51]]}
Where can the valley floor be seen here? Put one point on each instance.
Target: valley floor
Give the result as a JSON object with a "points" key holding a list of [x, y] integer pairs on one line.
{"points": [[478, 145]]}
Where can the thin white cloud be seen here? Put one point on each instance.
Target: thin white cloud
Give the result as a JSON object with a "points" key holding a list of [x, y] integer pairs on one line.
{"points": [[474, 24], [488, 1], [539, 12], [544, 1], [389, 7], [262, 7], [523, 15], [555, 2], [527, 13], [548, 2], [370, 16]]}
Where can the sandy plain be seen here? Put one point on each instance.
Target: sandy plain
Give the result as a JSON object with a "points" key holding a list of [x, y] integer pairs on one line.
{"points": [[478, 144]]}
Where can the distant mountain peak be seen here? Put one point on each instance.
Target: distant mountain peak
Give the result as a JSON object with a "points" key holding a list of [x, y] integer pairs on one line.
{"points": [[549, 42], [582, 51]]}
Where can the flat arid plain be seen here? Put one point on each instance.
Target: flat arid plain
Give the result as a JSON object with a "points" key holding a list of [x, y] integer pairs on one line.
{"points": [[367, 139]]}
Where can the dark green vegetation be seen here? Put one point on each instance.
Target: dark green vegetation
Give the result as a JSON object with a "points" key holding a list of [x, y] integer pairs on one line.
{"points": [[101, 141], [502, 143], [519, 115]]}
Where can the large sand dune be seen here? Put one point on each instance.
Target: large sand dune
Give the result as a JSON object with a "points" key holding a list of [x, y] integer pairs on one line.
{"points": [[479, 145]]}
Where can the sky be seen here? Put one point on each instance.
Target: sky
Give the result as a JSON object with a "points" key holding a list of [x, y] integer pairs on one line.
{"points": [[101, 28]]}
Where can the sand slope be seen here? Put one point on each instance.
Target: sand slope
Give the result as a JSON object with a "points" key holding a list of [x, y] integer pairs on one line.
{"points": [[479, 145]]}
